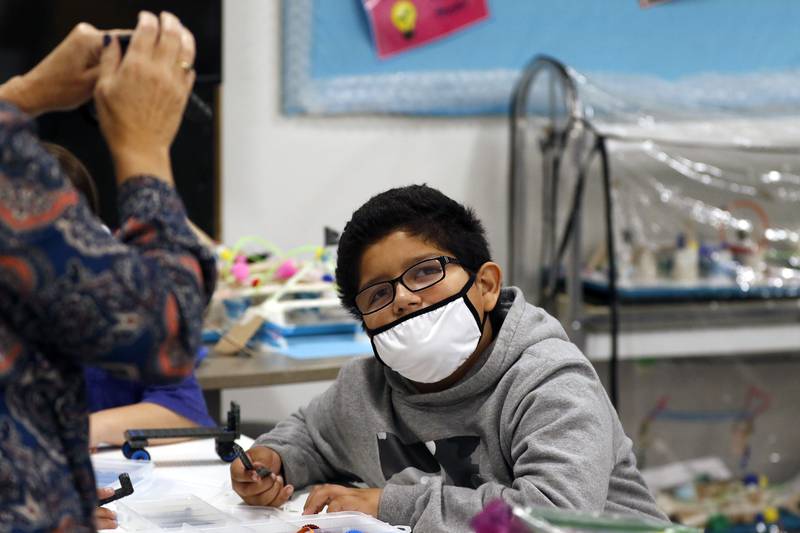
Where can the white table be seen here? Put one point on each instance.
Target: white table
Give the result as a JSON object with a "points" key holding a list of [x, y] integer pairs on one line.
{"points": [[193, 468]]}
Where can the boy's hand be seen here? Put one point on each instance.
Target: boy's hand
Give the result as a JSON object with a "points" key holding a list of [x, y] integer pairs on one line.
{"points": [[105, 518], [269, 491], [339, 498]]}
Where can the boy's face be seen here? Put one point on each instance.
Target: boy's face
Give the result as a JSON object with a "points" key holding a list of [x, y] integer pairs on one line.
{"points": [[390, 257]]}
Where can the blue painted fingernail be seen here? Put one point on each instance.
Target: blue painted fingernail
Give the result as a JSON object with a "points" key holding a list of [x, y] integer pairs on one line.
{"points": [[106, 40]]}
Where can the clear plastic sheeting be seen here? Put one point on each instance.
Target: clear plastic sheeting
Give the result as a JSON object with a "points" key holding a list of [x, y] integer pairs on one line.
{"points": [[714, 438], [704, 182], [697, 219], [659, 221], [189, 513]]}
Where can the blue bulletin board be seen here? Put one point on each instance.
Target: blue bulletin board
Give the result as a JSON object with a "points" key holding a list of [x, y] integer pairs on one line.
{"points": [[330, 65]]}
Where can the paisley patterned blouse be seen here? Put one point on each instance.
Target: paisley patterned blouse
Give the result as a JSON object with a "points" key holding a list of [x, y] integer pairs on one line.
{"points": [[70, 294]]}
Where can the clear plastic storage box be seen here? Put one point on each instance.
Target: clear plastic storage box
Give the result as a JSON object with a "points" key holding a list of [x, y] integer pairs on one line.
{"points": [[190, 513], [107, 471]]}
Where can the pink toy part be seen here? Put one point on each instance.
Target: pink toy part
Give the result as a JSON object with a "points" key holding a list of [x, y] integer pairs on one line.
{"points": [[286, 270], [240, 270]]}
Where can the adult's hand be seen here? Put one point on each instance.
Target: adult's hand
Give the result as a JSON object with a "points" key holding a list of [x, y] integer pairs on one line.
{"points": [[140, 98], [269, 491], [64, 79]]}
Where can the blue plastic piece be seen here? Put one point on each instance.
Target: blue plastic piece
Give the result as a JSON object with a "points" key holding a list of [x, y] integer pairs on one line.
{"points": [[686, 492], [211, 336], [140, 455], [127, 450], [699, 293], [305, 330], [321, 346], [235, 308], [202, 353]]}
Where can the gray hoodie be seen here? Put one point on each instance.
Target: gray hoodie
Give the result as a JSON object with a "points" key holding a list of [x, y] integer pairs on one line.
{"points": [[531, 425]]}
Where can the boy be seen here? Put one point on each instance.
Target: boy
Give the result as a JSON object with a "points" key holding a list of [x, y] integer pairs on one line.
{"points": [[473, 393]]}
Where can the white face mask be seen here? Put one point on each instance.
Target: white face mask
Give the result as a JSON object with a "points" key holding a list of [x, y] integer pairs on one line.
{"points": [[429, 345]]}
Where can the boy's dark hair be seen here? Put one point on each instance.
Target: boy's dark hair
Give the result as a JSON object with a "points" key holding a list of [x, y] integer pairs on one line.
{"points": [[76, 172], [419, 210]]}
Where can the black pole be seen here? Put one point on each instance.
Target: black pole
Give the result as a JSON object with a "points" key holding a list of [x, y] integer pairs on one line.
{"points": [[613, 362]]}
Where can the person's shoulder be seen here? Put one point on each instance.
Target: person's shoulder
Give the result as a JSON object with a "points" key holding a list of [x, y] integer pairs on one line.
{"points": [[538, 338], [361, 381], [546, 357], [555, 369], [361, 369]]}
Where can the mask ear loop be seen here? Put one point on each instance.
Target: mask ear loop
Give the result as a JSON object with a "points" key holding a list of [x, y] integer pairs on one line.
{"points": [[483, 324], [470, 306]]}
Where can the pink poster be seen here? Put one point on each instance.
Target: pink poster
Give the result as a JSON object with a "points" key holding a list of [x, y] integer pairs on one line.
{"points": [[399, 25]]}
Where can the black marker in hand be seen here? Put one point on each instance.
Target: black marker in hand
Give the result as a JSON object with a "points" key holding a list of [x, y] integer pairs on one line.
{"points": [[262, 471]]}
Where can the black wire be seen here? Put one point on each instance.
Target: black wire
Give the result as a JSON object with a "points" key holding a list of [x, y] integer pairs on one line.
{"points": [[519, 99], [612, 274], [551, 227], [569, 227], [548, 296]]}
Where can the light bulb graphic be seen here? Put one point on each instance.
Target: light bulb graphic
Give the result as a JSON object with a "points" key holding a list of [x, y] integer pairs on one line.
{"points": [[404, 17]]}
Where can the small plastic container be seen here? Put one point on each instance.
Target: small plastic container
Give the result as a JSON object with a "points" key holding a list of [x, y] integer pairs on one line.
{"points": [[169, 514], [108, 469], [190, 513]]}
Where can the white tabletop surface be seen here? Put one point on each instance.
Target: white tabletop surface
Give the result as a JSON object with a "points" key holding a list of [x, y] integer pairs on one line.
{"points": [[193, 468]]}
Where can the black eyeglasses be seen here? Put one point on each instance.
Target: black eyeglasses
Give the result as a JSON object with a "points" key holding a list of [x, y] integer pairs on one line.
{"points": [[418, 277]]}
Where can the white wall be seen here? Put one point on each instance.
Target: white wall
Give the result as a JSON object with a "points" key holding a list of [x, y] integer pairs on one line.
{"points": [[284, 178]]}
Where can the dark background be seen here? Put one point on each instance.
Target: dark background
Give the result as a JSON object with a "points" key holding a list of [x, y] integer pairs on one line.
{"points": [[29, 29]]}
